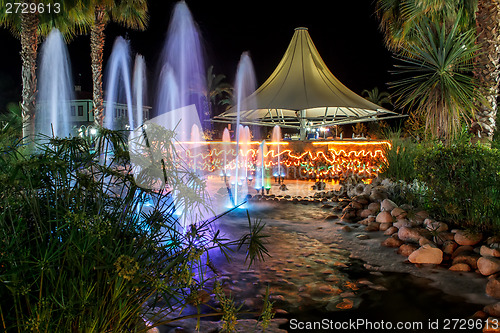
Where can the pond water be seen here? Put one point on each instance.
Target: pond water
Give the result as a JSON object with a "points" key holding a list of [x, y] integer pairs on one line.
{"points": [[312, 278]]}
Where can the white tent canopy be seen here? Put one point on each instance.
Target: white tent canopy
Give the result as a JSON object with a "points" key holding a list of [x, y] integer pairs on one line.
{"points": [[303, 92]]}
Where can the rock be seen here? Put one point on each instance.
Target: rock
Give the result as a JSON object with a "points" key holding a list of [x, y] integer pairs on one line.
{"points": [[362, 199], [493, 288], [384, 226], [486, 251], [493, 309], [390, 231], [409, 234], [365, 213], [392, 242], [346, 228], [356, 205], [422, 214], [460, 267], [426, 254], [398, 213], [422, 241], [387, 205], [374, 206], [449, 247], [488, 265], [362, 237], [384, 217], [407, 249], [378, 193], [468, 257], [372, 226], [467, 237], [406, 207], [461, 249], [435, 226], [403, 223]]}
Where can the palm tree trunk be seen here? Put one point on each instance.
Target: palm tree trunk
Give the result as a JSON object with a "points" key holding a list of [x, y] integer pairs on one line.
{"points": [[487, 65], [29, 48], [97, 49]]}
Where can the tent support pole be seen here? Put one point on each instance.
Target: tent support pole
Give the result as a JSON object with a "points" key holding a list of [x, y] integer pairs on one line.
{"points": [[303, 124]]}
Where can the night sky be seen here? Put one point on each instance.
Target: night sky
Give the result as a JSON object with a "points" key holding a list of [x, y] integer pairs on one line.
{"points": [[345, 33]]}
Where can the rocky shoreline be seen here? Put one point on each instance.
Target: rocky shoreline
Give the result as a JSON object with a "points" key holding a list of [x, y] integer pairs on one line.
{"points": [[389, 237], [425, 247]]}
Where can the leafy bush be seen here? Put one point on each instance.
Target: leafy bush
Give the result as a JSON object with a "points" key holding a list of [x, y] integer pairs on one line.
{"points": [[400, 156], [84, 249], [463, 183]]}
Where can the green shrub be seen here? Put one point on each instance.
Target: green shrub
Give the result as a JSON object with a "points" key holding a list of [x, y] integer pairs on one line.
{"points": [[400, 156], [463, 183], [82, 252]]}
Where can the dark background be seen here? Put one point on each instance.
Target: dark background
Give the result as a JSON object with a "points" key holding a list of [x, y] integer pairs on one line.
{"points": [[345, 33]]}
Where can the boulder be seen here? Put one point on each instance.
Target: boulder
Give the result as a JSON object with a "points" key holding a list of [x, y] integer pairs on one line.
{"points": [[362, 199], [488, 265], [426, 254], [422, 241], [467, 237], [390, 231], [398, 213], [365, 213], [387, 205], [460, 267], [374, 206], [486, 251], [403, 223], [346, 228], [461, 249], [384, 217], [422, 214], [467, 257], [372, 226], [449, 247], [493, 309], [493, 288], [409, 234], [435, 226], [356, 205], [378, 193], [407, 249], [384, 226], [392, 242]]}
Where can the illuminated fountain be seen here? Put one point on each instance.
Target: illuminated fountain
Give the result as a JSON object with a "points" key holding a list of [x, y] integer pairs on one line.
{"points": [[244, 86], [226, 139], [182, 83], [278, 170], [55, 88], [139, 89], [195, 147], [261, 178], [118, 84]]}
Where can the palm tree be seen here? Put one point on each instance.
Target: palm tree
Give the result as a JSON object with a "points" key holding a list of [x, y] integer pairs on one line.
{"points": [[487, 66], [129, 13], [399, 17], [377, 97], [24, 26], [218, 92], [30, 28], [438, 81]]}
